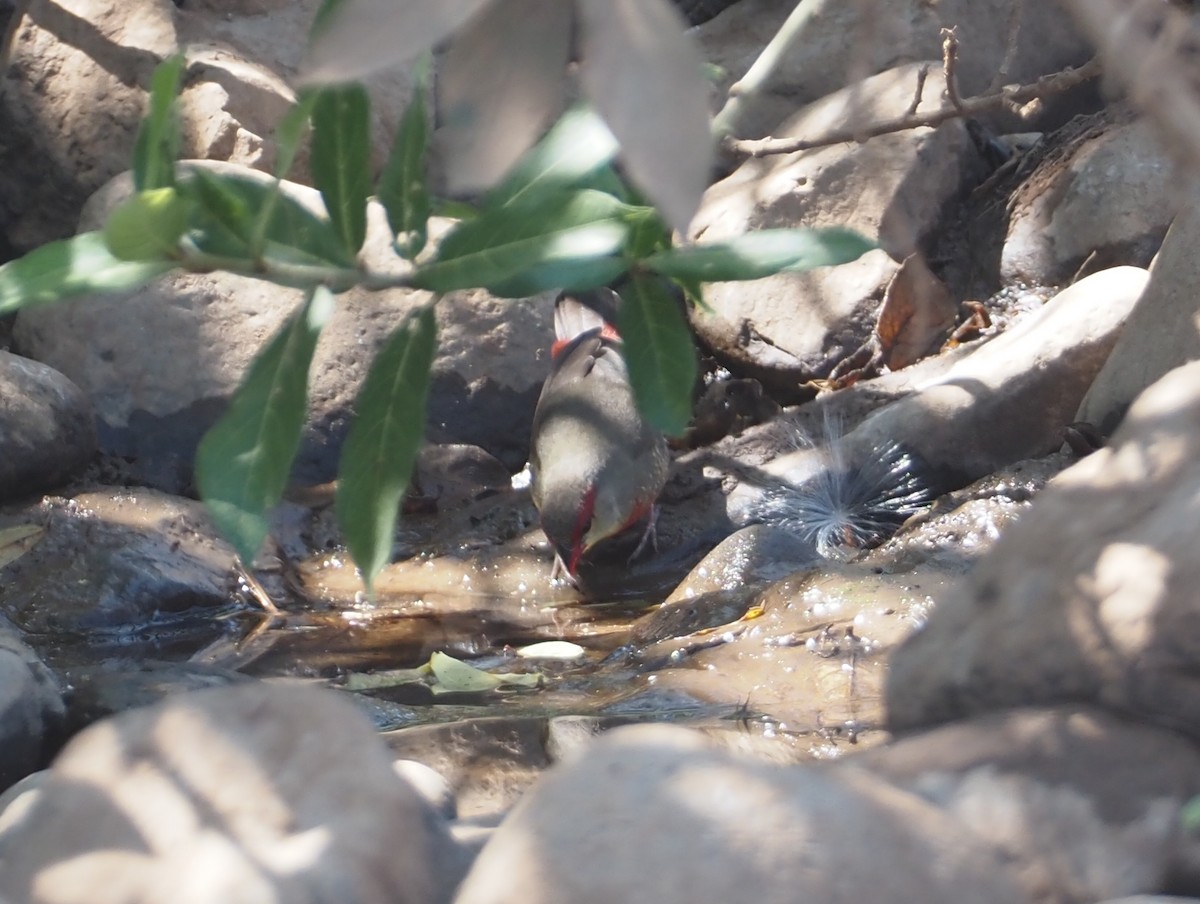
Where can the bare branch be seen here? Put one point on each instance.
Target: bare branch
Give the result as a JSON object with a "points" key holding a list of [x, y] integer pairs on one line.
{"points": [[950, 67], [1013, 95]]}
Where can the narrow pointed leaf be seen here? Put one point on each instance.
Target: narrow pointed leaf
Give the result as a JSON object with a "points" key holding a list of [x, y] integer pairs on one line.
{"points": [[562, 233], [659, 352], [253, 213], [404, 184], [290, 131], [763, 253], [157, 145], [148, 225], [73, 266], [243, 462], [359, 37], [574, 275], [579, 145], [378, 456], [501, 83], [645, 76], [341, 159]]}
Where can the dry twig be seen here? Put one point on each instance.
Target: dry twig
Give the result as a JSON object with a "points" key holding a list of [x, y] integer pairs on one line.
{"points": [[1012, 97]]}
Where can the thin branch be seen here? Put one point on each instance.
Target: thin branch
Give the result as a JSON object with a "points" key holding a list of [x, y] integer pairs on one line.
{"points": [[950, 67], [760, 72], [1013, 95], [922, 75]]}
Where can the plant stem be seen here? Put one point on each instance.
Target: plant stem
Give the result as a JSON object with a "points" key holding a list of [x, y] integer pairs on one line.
{"points": [[726, 122]]}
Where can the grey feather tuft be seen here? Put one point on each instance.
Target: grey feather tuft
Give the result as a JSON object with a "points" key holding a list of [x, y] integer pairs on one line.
{"points": [[845, 507]]}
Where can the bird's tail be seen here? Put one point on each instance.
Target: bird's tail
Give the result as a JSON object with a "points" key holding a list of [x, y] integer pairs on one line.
{"points": [[578, 312]]}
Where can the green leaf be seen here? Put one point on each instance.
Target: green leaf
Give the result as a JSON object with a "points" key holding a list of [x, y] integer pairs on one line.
{"points": [[763, 253], [453, 676], [659, 352], [571, 275], [291, 129], [148, 225], [578, 146], [650, 235], [243, 462], [73, 266], [563, 233], [341, 159], [157, 144], [404, 184], [235, 210], [379, 453]]}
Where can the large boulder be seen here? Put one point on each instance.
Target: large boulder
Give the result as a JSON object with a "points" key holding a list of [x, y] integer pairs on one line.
{"points": [[252, 793], [793, 327], [1091, 596]]}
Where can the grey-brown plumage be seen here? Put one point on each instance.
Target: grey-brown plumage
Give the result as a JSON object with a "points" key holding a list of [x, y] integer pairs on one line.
{"points": [[597, 466]]}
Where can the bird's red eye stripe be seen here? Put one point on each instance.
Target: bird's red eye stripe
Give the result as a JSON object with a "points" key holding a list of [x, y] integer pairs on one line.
{"points": [[610, 333], [558, 346], [583, 520]]}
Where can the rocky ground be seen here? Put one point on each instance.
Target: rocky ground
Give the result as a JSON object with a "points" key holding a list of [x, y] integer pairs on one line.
{"points": [[994, 705]]}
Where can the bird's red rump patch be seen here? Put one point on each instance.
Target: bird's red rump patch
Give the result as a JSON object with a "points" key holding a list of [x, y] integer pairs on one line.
{"points": [[583, 520]]}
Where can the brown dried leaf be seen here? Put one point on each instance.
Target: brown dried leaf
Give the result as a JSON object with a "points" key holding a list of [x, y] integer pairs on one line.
{"points": [[366, 35], [500, 85], [918, 310], [645, 76]]}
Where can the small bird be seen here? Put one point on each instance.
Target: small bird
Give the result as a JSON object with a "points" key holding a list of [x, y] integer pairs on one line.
{"points": [[597, 466]]}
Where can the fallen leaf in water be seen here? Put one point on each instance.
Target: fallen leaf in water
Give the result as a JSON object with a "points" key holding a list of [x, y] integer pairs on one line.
{"points": [[453, 676], [374, 681], [17, 540]]}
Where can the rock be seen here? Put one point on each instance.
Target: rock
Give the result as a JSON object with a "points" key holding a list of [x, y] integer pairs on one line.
{"points": [[452, 474], [116, 685], [160, 362], [488, 762], [1010, 398], [999, 44], [711, 827], [76, 84], [251, 793], [1089, 597], [31, 710], [119, 564], [1064, 794], [431, 785], [1161, 332], [1106, 198], [792, 327], [46, 427], [73, 94], [19, 797], [808, 666]]}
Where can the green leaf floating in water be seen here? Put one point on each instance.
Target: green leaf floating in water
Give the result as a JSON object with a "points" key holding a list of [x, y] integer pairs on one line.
{"points": [[444, 675]]}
